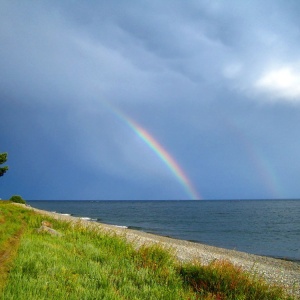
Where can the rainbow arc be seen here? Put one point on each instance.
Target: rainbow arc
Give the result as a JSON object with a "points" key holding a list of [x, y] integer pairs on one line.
{"points": [[161, 152]]}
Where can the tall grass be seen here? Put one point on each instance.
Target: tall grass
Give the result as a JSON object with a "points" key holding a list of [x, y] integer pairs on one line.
{"points": [[87, 264], [223, 280], [90, 264]]}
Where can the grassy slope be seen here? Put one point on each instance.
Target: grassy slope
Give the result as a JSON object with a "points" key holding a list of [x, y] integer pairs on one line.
{"points": [[87, 264], [11, 228]]}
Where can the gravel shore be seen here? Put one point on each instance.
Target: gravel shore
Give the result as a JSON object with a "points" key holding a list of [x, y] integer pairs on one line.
{"points": [[274, 271]]}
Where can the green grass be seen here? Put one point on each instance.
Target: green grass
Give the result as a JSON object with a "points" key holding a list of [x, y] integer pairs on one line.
{"points": [[12, 223], [225, 281], [89, 264]]}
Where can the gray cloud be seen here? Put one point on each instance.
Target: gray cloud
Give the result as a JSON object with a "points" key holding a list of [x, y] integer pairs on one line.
{"points": [[186, 72]]}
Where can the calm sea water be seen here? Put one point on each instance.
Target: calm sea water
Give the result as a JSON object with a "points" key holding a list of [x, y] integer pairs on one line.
{"points": [[264, 227]]}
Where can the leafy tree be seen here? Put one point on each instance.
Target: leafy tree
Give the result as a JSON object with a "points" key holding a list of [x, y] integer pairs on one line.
{"points": [[3, 158], [17, 199]]}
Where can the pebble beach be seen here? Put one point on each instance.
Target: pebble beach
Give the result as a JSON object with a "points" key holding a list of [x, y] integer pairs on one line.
{"points": [[273, 271]]}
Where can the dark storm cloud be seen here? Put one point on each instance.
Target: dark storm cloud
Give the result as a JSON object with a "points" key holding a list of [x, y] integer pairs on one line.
{"points": [[215, 82]]}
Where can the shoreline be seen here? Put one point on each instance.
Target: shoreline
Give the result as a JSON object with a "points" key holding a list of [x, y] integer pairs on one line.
{"points": [[285, 259], [138, 229], [281, 272]]}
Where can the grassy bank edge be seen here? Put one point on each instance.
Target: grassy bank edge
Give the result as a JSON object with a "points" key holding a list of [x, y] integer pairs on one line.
{"points": [[213, 282]]}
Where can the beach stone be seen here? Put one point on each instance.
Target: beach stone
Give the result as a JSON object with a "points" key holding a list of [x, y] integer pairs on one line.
{"points": [[49, 230], [47, 223]]}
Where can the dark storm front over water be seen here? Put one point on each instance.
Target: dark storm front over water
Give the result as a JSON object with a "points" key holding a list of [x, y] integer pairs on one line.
{"points": [[263, 227]]}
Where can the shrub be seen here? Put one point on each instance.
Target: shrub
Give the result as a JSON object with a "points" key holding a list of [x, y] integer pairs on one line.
{"points": [[17, 199], [226, 281]]}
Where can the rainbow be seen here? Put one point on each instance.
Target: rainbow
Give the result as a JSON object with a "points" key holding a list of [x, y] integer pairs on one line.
{"points": [[166, 157], [260, 162]]}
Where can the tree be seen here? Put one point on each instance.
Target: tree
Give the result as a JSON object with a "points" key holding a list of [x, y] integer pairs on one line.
{"points": [[17, 199], [3, 158]]}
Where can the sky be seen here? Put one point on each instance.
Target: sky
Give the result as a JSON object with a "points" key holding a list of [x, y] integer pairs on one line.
{"points": [[150, 100]]}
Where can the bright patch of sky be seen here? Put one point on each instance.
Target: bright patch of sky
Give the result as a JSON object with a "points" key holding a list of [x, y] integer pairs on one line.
{"points": [[282, 84]]}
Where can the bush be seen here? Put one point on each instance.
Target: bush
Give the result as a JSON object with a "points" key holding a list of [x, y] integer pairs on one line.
{"points": [[17, 199]]}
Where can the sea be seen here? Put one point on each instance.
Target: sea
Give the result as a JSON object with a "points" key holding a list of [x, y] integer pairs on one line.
{"points": [[262, 227]]}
